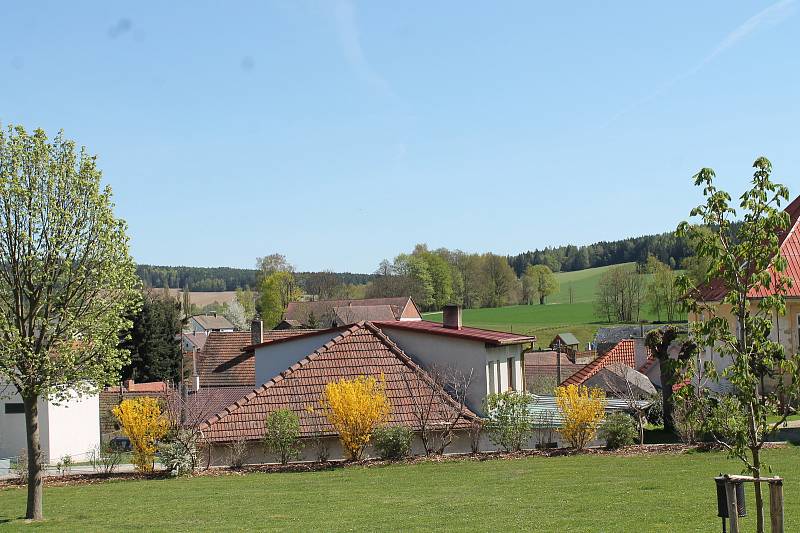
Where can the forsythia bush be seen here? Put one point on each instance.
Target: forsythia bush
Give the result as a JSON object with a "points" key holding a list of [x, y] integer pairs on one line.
{"points": [[355, 407], [582, 409], [143, 424]]}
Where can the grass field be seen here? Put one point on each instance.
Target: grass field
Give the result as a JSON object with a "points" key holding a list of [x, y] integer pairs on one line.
{"points": [[579, 493], [557, 316]]}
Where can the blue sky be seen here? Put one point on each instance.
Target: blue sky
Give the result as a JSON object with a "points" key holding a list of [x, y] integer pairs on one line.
{"points": [[340, 133]]}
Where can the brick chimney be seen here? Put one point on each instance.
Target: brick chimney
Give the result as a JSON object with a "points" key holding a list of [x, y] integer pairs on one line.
{"points": [[451, 316], [256, 331]]}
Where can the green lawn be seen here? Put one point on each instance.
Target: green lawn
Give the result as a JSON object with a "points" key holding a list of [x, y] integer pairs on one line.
{"points": [[579, 493], [583, 283]]}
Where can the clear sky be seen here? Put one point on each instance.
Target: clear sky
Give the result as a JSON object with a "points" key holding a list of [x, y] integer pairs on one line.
{"points": [[341, 133]]}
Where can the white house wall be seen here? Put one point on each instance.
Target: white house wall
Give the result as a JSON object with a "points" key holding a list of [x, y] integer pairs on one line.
{"points": [[74, 427], [273, 358], [429, 350], [69, 429]]}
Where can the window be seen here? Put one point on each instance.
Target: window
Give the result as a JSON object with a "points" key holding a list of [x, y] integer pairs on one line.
{"points": [[491, 377], [499, 367], [512, 379], [15, 408]]}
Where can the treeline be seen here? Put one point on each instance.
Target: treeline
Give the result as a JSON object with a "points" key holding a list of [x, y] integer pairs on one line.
{"points": [[666, 247], [213, 279], [442, 276]]}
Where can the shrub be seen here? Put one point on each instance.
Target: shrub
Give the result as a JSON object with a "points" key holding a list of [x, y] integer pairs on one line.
{"points": [[392, 442], [282, 434], [142, 423], [655, 413], [64, 465], [509, 422], [475, 431], [237, 450], [178, 454], [582, 409], [619, 430], [687, 417], [355, 407], [104, 458]]}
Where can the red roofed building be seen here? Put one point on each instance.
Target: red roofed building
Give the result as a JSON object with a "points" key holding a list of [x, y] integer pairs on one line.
{"points": [[786, 329], [358, 350]]}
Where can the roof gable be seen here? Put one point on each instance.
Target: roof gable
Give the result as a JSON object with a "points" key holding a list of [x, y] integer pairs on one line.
{"points": [[623, 352], [212, 322], [362, 349], [789, 243]]}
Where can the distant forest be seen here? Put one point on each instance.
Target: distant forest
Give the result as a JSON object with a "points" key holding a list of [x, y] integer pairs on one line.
{"points": [[666, 247], [214, 279]]}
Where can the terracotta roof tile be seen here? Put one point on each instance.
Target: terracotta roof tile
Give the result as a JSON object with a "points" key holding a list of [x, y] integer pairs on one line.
{"points": [[623, 353], [222, 362], [790, 250], [361, 350], [498, 338]]}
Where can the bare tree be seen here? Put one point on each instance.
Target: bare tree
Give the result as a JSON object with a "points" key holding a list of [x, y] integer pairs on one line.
{"points": [[438, 400]]}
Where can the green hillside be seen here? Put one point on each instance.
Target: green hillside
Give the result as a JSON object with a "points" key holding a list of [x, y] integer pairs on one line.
{"points": [[557, 316], [583, 284]]}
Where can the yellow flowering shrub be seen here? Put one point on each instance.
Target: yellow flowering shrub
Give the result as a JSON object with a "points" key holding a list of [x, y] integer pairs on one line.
{"points": [[355, 407], [583, 409], [143, 424]]}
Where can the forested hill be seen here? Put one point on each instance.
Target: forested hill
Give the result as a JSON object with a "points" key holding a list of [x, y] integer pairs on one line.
{"points": [[667, 247], [212, 279]]}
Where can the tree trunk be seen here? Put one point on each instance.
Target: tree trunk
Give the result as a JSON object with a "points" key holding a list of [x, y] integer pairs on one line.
{"points": [[541, 300], [666, 396], [759, 497], [35, 474]]}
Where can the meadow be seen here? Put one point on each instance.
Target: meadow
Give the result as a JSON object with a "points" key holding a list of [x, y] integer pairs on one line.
{"points": [[556, 316], [599, 493]]}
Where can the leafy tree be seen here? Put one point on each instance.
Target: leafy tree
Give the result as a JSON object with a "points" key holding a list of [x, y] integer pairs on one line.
{"points": [[619, 295], [582, 409], [355, 408], [542, 281], [67, 283], [509, 422], [270, 264], [247, 299], [500, 280], [662, 293], [235, 313], [417, 279], [142, 423], [153, 344], [745, 260], [282, 435]]}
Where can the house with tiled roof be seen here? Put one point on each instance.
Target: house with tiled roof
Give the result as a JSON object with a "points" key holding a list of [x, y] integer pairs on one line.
{"points": [[333, 313], [208, 323], [786, 328], [347, 352], [223, 361], [623, 364]]}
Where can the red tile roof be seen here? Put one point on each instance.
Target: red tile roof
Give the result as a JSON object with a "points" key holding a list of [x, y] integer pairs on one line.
{"points": [[790, 250], [222, 362], [325, 314], [498, 338], [623, 352], [360, 350]]}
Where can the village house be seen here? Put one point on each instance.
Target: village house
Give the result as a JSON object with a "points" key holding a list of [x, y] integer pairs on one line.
{"points": [[332, 313], [208, 323], [786, 327]]}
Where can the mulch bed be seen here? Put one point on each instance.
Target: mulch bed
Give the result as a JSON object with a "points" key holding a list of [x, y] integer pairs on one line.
{"points": [[629, 451]]}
